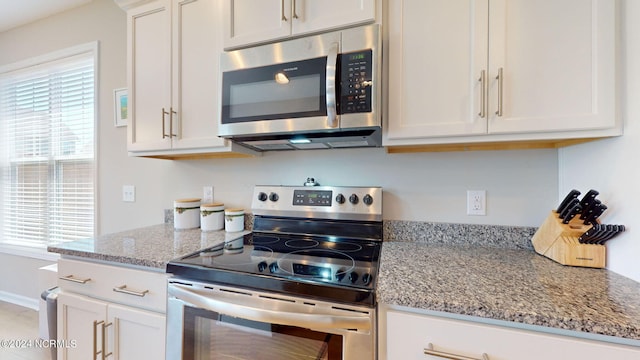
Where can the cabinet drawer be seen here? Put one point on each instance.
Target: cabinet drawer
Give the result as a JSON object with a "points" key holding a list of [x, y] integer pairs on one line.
{"points": [[408, 335], [138, 288]]}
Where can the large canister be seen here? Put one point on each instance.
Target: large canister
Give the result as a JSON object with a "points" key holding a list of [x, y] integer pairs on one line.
{"points": [[186, 213]]}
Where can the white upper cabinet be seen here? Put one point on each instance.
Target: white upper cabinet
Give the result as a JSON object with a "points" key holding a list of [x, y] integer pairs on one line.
{"points": [[149, 72], [252, 21], [248, 22], [465, 71], [314, 15], [558, 63], [174, 52], [437, 54], [196, 56]]}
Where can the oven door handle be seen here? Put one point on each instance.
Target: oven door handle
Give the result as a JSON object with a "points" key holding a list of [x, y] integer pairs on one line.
{"points": [[201, 299], [332, 65]]}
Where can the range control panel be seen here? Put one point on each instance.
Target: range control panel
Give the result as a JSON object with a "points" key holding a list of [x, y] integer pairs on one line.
{"points": [[333, 202]]}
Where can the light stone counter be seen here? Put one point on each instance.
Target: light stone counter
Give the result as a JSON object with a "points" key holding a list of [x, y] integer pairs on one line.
{"points": [[512, 285], [152, 246], [486, 272]]}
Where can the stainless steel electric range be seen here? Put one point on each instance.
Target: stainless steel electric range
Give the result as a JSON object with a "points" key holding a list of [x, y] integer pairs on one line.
{"points": [[300, 285]]}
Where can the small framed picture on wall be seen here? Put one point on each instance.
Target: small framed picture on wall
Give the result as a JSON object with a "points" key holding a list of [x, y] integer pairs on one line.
{"points": [[120, 109]]}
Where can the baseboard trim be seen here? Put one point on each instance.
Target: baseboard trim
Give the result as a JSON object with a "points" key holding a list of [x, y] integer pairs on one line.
{"points": [[20, 300]]}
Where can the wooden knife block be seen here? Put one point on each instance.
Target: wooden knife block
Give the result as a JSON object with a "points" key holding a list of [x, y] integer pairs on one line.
{"points": [[559, 242]]}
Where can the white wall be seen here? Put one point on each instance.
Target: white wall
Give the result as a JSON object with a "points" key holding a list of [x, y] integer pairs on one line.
{"points": [[610, 166], [100, 20], [521, 185]]}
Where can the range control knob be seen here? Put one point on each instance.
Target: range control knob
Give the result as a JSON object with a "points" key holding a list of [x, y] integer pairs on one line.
{"points": [[353, 277], [262, 265], [273, 267], [354, 199], [366, 279], [273, 197], [340, 274], [262, 196], [367, 199], [340, 199]]}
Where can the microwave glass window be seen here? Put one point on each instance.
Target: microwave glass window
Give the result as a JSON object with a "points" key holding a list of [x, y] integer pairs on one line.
{"points": [[294, 95], [281, 91]]}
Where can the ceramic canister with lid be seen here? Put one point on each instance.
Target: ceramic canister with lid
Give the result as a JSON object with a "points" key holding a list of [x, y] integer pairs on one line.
{"points": [[186, 213], [212, 217], [234, 220]]}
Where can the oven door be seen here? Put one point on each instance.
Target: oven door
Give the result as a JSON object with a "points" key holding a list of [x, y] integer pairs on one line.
{"points": [[206, 321]]}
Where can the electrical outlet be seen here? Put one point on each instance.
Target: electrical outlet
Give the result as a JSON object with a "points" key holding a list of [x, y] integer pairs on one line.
{"points": [[207, 194], [128, 193], [476, 202]]}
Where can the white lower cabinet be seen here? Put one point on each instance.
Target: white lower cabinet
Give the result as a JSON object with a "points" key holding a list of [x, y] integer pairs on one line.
{"points": [[406, 336], [102, 310]]}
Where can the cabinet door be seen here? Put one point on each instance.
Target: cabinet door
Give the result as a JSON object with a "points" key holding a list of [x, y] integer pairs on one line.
{"points": [[136, 334], [251, 21], [437, 51], [558, 61], [149, 76], [76, 316], [312, 15], [407, 335], [197, 44]]}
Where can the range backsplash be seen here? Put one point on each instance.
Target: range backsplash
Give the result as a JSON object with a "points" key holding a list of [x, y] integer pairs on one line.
{"points": [[510, 237]]}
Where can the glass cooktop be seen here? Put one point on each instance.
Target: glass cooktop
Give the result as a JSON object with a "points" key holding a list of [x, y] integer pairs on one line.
{"points": [[288, 263]]}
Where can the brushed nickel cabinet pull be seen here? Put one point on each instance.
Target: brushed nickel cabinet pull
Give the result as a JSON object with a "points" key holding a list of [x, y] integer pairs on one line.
{"points": [[164, 135], [500, 79], [295, 14], [123, 289], [95, 338], [483, 93], [171, 112], [73, 279], [284, 18], [444, 355], [104, 341]]}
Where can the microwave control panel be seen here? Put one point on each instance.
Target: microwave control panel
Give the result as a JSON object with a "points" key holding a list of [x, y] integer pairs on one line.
{"points": [[355, 82]]}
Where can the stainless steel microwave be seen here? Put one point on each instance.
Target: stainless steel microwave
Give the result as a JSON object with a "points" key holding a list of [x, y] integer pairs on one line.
{"points": [[315, 92]]}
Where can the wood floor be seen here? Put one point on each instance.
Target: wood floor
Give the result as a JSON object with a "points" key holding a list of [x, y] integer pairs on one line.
{"points": [[19, 326]]}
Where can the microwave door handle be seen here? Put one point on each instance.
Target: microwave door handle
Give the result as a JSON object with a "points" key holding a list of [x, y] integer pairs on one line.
{"points": [[332, 65], [313, 321]]}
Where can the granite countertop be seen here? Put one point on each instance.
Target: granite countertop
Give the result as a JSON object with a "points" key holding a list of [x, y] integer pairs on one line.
{"points": [[513, 285], [152, 246], [486, 272]]}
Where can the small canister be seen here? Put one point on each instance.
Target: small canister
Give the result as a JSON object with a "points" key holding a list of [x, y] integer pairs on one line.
{"points": [[234, 220], [186, 213], [212, 217]]}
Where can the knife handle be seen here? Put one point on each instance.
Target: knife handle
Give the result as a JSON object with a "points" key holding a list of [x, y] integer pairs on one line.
{"points": [[587, 235], [617, 229], [575, 210], [588, 198], [567, 199], [594, 214], [590, 208], [572, 203]]}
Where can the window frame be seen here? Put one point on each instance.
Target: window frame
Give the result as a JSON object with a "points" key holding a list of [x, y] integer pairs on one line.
{"points": [[93, 49]]}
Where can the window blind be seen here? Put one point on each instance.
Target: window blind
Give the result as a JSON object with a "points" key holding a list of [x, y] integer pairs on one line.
{"points": [[47, 121]]}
